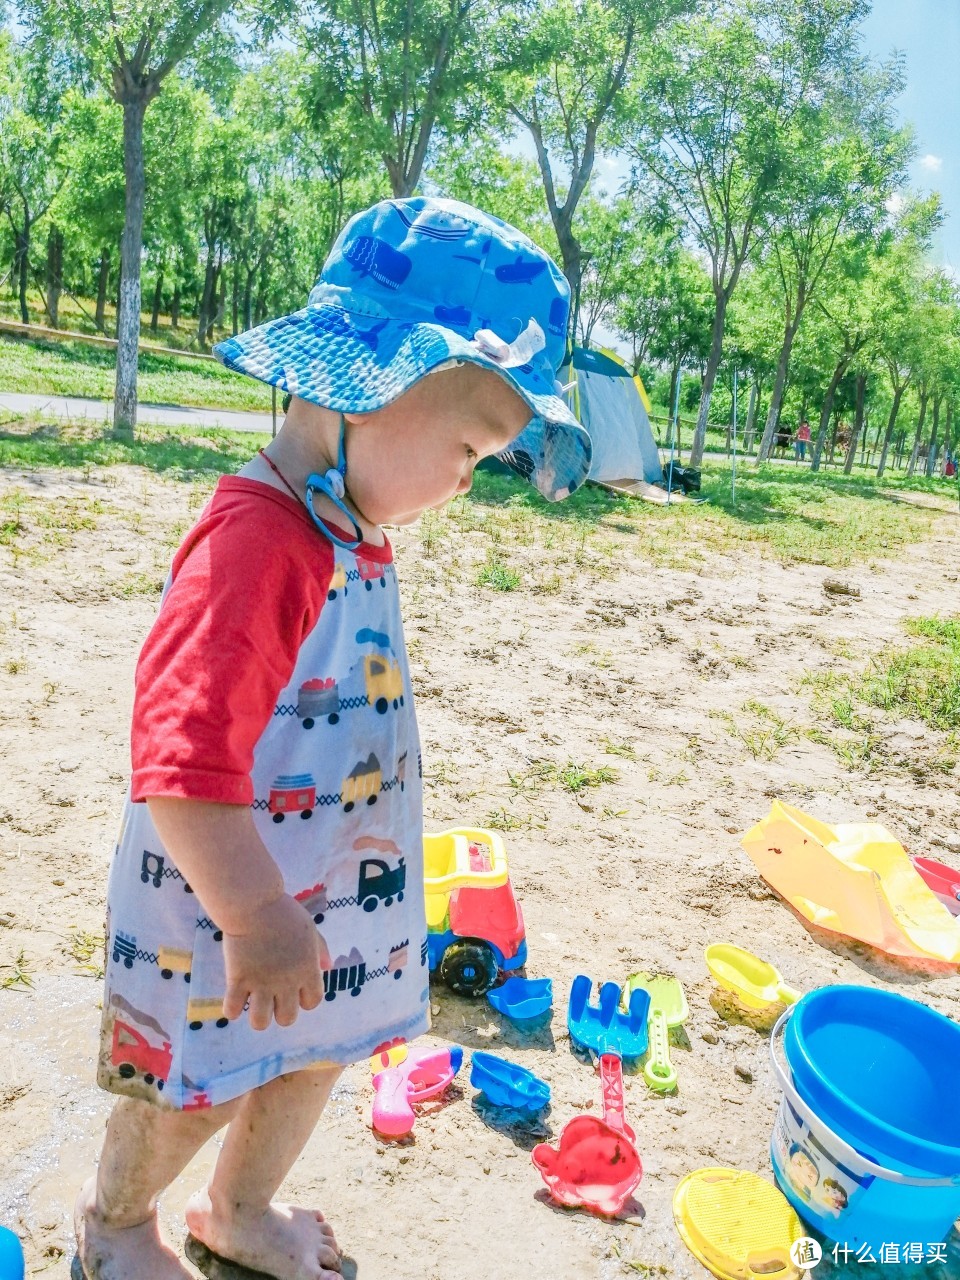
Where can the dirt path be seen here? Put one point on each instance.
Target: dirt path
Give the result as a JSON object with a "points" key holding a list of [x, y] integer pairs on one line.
{"points": [[594, 651]]}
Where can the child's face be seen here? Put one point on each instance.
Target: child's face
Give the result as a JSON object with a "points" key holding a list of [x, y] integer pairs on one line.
{"points": [[420, 451]]}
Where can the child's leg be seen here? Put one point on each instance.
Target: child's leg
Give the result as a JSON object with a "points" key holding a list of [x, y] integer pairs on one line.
{"points": [[233, 1216], [116, 1211]]}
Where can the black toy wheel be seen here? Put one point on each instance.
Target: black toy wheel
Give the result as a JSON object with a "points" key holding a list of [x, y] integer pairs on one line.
{"points": [[469, 968], [308, 723], [307, 813], [126, 1070]]}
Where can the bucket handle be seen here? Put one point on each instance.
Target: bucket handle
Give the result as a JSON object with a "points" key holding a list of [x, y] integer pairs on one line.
{"points": [[826, 1135]]}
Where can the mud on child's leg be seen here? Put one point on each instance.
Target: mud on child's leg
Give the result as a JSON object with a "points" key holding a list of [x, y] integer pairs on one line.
{"points": [[146, 1148], [115, 1214], [235, 1216]]}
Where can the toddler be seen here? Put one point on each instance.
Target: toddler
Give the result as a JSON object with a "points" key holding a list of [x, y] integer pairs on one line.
{"points": [[265, 920]]}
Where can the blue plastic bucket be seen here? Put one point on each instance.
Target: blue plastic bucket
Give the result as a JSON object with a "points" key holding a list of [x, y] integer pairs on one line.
{"points": [[866, 1145]]}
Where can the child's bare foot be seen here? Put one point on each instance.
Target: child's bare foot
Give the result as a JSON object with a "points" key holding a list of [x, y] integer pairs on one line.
{"points": [[285, 1242], [118, 1253]]}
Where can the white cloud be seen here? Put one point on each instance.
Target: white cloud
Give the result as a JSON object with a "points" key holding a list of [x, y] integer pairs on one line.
{"points": [[933, 164], [895, 203]]}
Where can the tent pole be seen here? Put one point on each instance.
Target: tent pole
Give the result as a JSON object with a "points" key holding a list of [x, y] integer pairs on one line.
{"points": [[733, 469], [673, 425]]}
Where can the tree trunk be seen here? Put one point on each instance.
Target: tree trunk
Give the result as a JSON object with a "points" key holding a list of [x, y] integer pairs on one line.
{"points": [[248, 298], [54, 275], [891, 425], [157, 299], [857, 424], [128, 316], [572, 259], [709, 378], [915, 451], [751, 418], [934, 436], [175, 307], [826, 410], [235, 298], [948, 445], [206, 298], [100, 318], [779, 382], [222, 296], [260, 304], [22, 267]]}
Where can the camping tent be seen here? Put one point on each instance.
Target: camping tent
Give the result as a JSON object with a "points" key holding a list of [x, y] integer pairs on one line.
{"points": [[613, 406]]}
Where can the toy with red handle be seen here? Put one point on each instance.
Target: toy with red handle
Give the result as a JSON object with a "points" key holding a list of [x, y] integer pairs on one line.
{"points": [[424, 1075]]}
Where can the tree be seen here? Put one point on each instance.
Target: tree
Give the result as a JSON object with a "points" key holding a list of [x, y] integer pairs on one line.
{"points": [[848, 161], [131, 51], [723, 94], [394, 71], [663, 305], [29, 141], [570, 71]]}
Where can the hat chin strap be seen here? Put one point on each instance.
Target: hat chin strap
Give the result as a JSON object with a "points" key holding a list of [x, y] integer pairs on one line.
{"points": [[332, 485]]}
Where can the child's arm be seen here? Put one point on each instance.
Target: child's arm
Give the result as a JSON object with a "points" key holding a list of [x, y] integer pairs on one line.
{"points": [[271, 947]]}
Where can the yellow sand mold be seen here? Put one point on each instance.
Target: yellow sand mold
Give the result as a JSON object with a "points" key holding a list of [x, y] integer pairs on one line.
{"points": [[853, 879]]}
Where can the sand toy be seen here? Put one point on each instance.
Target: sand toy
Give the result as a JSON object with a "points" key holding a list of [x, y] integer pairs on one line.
{"points": [[853, 879], [504, 1084], [463, 857], [596, 1165], [942, 880], [475, 932], [668, 1008], [522, 999], [737, 1224], [754, 982], [424, 1074], [603, 1027]]}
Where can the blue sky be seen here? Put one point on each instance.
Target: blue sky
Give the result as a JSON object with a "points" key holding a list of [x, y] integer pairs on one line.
{"points": [[927, 33]]}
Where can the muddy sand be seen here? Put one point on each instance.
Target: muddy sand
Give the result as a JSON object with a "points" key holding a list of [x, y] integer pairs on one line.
{"points": [[596, 658]]}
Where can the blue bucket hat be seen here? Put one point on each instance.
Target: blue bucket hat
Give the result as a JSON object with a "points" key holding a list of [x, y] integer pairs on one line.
{"points": [[411, 285]]}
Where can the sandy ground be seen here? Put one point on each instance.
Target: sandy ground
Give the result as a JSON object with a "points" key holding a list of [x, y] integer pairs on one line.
{"points": [[594, 649]]}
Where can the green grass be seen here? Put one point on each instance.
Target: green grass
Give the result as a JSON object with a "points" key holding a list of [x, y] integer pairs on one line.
{"points": [[75, 369], [498, 575], [918, 682], [177, 454], [762, 732], [923, 681]]}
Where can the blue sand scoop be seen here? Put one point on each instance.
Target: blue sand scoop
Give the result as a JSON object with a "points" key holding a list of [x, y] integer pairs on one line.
{"points": [[602, 1027], [507, 1085], [522, 999]]}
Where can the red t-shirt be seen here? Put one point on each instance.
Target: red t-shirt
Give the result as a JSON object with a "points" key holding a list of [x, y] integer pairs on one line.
{"points": [[247, 588]]}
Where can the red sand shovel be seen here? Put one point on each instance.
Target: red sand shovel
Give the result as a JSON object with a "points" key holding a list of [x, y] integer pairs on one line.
{"points": [[596, 1165]]}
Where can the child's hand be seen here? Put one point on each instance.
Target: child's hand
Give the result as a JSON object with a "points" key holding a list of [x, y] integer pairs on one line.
{"points": [[274, 963]]}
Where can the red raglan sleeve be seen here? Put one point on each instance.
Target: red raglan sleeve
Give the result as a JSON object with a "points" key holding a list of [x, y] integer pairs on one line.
{"points": [[248, 586]]}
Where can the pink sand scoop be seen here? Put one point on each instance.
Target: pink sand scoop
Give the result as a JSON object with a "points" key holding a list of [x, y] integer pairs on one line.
{"points": [[596, 1165]]}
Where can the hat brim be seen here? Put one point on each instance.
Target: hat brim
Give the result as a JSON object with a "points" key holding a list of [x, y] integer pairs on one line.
{"points": [[354, 363]]}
